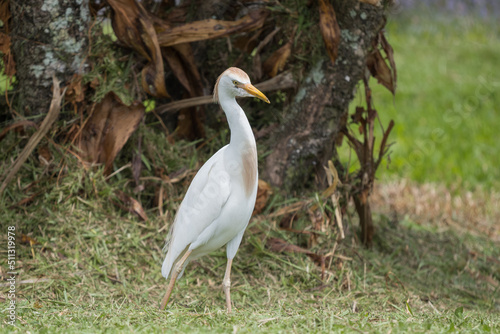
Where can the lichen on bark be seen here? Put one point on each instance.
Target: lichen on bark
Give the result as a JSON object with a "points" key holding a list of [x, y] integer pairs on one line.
{"points": [[319, 111], [49, 37]]}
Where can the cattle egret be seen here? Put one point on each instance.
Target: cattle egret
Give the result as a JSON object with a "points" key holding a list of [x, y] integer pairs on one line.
{"points": [[220, 200]]}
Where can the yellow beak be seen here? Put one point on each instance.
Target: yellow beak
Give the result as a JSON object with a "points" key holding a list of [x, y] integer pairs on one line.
{"points": [[255, 92]]}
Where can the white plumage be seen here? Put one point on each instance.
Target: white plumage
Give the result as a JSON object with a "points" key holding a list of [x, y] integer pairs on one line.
{"points": [[219, 202]]}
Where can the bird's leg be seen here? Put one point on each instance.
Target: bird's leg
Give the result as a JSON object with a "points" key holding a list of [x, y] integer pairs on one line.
{"points": [[226, 284], [177, 269]]}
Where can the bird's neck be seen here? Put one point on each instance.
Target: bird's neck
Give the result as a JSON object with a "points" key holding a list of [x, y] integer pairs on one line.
{"points": [[241, 131]]}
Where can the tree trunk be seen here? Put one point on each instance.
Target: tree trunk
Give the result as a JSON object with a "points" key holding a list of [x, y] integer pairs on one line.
{"points": [[49, 37], [319, 111]]}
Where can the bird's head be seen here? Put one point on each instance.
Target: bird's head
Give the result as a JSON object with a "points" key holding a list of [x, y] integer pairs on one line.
{"points": [[234, 82]]}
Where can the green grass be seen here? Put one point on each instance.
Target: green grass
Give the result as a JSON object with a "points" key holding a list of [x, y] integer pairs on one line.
{"points": [[99, 267], [446, 105], [101, 271]]}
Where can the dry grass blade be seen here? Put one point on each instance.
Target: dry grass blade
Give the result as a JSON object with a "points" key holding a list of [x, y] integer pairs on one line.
{"points": [[290, 208], [55, 107], [108, 129], [179, 175], [475, 212], [333, 180], [329, 28]]}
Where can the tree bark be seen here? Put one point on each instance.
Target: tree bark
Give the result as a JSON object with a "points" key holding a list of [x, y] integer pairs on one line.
{"points": [[49, 37], [305, 141]]}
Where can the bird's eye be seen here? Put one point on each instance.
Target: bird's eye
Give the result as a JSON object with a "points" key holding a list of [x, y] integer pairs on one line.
{"points": [[236, 83]]}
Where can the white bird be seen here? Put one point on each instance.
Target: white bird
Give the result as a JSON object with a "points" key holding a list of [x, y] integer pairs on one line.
{"points": [[219, 202]]}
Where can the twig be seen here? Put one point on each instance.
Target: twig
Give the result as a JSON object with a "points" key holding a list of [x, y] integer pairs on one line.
{"points": [[23, 123], [55, 107], [283, 81]]}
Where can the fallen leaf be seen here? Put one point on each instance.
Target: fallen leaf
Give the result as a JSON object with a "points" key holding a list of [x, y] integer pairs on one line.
{"points": [[182, 63], [44, 154], [4, 43], [7, 57], [175, 65], [108, 129], [390, 57], [132, 205], [318, 223], [133, 26], [332, 178], [28, 240], [75, 90], [280, 246], [247, 43], [256, 63], [263, 192], [386, 74], [208, 29], [189, 124], [94, 83], [276, 62], [329, 28], [380, 70], [5, 15], [371, 2]]}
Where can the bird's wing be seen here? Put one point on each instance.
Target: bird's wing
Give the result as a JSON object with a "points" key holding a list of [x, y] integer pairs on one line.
{"points": [[202, 204]]}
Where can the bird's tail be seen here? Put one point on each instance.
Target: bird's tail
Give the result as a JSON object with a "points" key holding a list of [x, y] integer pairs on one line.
{"points": [[169, 259], [167, 265]]}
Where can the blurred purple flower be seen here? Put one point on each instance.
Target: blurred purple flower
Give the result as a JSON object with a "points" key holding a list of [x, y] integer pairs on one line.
{"points": [[482, 8]]}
